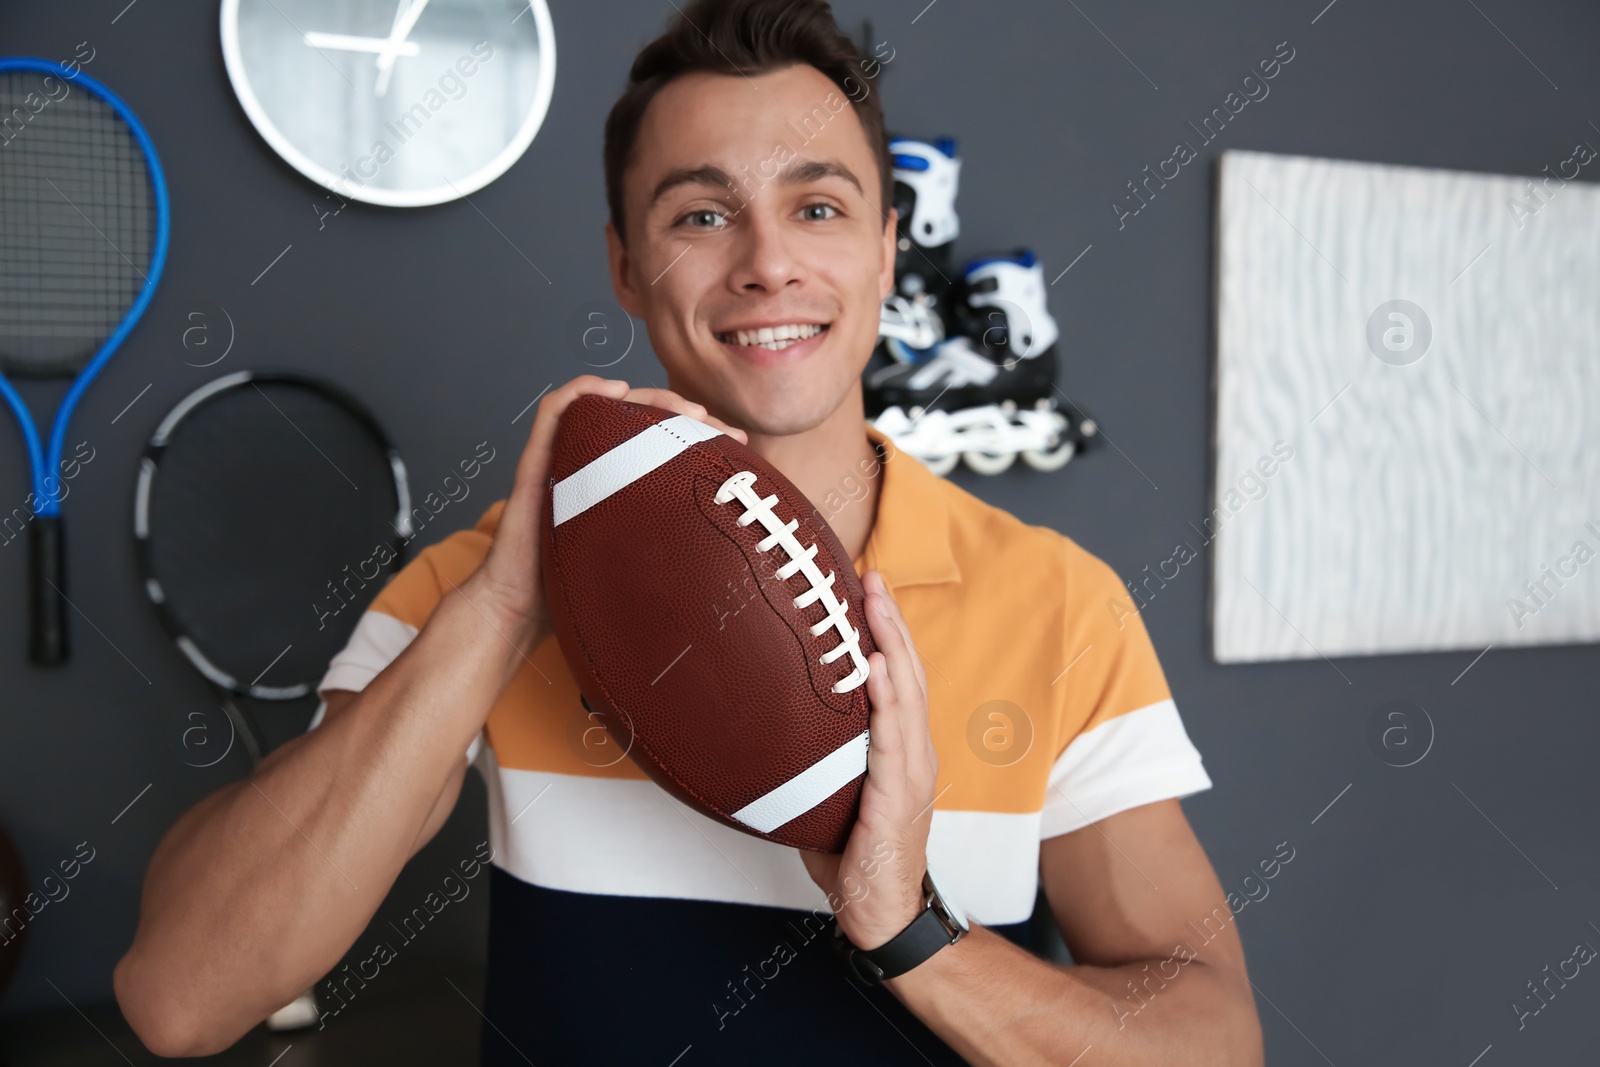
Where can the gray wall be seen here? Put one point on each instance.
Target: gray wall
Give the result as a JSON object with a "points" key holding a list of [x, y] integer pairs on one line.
{"points": [[1416, 907]]}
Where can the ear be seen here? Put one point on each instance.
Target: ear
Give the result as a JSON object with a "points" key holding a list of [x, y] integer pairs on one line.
{"points": [[886, 266], [621, 266]]}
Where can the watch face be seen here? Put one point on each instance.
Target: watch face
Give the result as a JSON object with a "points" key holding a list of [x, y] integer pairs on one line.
{"points": [[951, 908], [394, 102]]}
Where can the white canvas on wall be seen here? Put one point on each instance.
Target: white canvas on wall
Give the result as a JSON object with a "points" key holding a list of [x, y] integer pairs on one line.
{"points": [[1415, 354]]}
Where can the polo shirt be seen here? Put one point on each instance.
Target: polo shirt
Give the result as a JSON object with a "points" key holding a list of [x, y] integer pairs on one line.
{"points": [[627, 928]]}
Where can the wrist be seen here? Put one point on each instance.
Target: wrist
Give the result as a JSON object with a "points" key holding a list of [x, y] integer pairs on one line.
{"points": [[513, 615], [938, 923], [880, 930]]}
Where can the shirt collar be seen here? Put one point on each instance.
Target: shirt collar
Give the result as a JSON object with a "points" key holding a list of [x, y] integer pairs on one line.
{"points": [[910, 539]]}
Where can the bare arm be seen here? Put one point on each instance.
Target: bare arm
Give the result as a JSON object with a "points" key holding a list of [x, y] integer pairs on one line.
{"points": [[259, 890], [1159, 977], [443, 804], [256, 892]]}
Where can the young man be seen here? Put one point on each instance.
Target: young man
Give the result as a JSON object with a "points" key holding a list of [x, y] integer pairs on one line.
{"points": [[748, 183]]}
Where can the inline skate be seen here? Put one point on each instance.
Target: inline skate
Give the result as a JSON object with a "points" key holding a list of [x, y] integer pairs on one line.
{"points": [[987, 394], [914, 318]]}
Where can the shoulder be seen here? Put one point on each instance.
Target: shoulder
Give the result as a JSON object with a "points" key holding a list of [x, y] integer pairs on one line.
{"points": [[1071, 611], [992, 545]]}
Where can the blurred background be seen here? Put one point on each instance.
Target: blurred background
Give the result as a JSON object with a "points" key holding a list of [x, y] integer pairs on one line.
{"points": [[1426, 891]]}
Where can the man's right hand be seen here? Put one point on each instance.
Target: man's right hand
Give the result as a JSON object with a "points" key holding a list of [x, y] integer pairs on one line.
{"points": [[508, 583], [285, 869]]}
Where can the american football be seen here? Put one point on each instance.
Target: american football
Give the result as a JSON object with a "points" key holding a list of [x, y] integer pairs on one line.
{"points": [[713, 622]]}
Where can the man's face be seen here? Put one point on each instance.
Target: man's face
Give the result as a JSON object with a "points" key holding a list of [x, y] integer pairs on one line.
{"points": [[762, 299]]}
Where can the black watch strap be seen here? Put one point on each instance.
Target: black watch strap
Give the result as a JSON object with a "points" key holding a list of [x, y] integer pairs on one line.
{"points": [[910, 947]]}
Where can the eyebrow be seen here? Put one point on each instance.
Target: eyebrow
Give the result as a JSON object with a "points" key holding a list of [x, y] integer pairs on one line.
{"points": [[800, 172]]}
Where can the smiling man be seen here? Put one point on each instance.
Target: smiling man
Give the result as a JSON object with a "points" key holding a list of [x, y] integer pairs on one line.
{"points": [[1019, 736]]}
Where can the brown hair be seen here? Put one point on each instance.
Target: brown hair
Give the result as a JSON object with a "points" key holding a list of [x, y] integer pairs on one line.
{"points": [[742, 37]]}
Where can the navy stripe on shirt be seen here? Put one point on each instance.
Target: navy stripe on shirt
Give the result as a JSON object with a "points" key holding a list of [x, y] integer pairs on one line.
{"points": [[584, 979]]}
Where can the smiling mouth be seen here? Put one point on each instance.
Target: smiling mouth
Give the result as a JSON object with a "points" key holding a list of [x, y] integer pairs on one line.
{"points": [[773, 338]]}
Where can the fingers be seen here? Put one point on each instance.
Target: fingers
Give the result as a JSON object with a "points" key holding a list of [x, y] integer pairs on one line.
{"points": [[899, 620], [899, 698], [896, 728], [536, 457], [534, 465], [884, 700], [519, 522], [906, 743], [666, 398], [902, 771], [512, 564], [890, 632], [511, 569]]}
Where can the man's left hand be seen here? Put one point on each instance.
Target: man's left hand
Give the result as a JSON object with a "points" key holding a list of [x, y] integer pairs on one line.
{"points": [[875, 886]]}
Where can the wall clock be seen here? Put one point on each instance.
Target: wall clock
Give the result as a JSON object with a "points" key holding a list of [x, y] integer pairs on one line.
{"points": [[395, 102]]}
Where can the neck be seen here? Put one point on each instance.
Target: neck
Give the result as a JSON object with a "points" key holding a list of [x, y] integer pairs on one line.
{"points": [[829, 464]]}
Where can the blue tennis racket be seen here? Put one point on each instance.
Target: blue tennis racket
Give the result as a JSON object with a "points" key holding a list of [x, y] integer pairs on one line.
{"points": [[83, 238]]}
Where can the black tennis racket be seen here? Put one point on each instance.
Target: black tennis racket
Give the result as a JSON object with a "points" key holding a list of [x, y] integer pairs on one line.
{"points": [[270, 508], [83, 238]]}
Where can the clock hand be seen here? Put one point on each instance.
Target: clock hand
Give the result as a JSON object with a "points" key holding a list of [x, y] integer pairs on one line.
{"points": [[403, 25], [346, 43]]}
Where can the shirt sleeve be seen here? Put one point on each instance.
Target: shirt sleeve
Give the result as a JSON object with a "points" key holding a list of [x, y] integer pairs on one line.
{"points": [[401, 609], [1125, 744]]}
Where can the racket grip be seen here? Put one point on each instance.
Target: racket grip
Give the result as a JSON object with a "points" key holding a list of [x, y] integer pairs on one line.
{"points": [[47, 596]]}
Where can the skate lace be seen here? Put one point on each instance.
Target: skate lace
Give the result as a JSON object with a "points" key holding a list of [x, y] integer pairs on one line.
{"points": [[802, 559], [957, 361]]}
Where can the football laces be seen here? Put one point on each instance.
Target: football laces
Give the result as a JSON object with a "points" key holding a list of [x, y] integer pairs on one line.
{"points": [[802, 561]]}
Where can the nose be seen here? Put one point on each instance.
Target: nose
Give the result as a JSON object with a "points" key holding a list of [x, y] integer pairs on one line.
{"points": [[764, 263]]}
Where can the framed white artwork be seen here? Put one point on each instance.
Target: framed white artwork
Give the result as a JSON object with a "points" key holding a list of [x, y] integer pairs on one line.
{"points": [[1407, 420]]}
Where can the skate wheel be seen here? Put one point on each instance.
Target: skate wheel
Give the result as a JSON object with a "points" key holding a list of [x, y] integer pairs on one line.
{"points": [[1052, 460], [944, 464], [989, 462]]}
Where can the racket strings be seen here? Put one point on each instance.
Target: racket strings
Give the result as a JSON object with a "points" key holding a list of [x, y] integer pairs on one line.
{"points": [[270, 527], [77, 223]]}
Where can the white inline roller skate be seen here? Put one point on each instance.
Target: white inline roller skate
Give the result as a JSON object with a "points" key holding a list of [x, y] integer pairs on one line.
{"points": [[988, 394]]}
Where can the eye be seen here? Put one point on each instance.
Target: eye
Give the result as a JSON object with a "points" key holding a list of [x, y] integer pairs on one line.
{"points": [[818, 212], [704, 219]]}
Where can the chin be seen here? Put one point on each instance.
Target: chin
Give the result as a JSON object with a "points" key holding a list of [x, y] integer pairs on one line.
{"points": [[774, 395], [783, 405]]}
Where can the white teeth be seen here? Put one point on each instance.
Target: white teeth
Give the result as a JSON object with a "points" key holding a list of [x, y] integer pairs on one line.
{"points": [[773, 338]]}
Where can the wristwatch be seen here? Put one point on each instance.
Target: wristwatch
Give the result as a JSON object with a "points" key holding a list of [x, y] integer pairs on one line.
{"points": [[941, 923]]}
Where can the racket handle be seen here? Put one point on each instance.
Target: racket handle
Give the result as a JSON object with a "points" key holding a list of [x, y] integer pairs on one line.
{"points": [[47, 593]]}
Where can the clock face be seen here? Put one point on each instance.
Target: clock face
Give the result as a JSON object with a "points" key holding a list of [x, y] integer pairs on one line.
{"points": [[394, 102]]}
